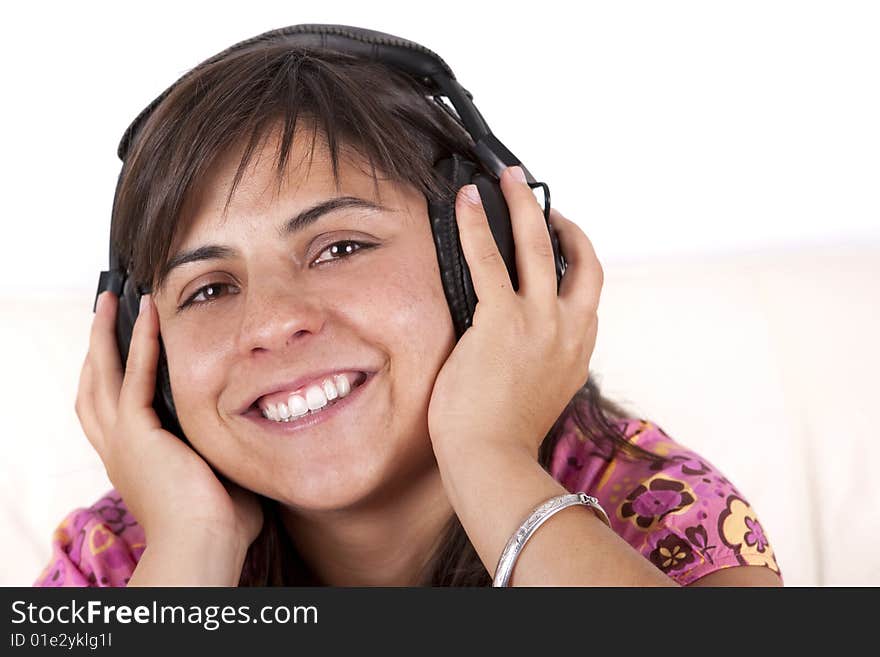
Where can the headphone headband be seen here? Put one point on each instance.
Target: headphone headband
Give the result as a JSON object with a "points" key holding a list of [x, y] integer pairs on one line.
{"points": [[414, 59]]}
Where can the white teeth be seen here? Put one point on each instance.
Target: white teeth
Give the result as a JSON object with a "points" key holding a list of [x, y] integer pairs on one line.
{"points": [[330, 391], [342, 384], [315, 398], [297, 405]]}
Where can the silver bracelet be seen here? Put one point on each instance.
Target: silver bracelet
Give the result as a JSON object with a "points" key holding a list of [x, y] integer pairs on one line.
{"points": [[539, 517]]}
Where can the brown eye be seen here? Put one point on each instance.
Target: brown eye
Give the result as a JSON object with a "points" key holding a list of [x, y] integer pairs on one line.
{"points": [[342, 250], [210, 292]]}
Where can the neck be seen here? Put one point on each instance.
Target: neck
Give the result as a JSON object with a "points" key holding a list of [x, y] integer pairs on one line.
{"points": [[386, 540]]}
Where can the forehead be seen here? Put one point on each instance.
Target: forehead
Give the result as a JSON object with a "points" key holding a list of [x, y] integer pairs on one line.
{"points": [[308, 173], [262, 198]]}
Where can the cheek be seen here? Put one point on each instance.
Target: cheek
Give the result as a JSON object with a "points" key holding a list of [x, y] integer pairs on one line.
{"points": [[407, 312], [195, 369]]}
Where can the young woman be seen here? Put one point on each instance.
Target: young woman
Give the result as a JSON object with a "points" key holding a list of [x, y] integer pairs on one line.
{"points": [[335, 431]]}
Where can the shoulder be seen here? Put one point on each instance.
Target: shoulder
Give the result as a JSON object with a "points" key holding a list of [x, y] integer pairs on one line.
{"points": [[678, 510], [98, 545]]}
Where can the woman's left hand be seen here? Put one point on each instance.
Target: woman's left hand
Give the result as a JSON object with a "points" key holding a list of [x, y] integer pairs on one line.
{"points": [[527, 351]]}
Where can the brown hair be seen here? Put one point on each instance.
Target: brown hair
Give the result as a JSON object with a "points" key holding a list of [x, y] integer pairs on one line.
{"points": [[381, 115]]}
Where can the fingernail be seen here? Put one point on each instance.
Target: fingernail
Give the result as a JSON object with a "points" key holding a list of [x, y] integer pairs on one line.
{"points": [[145, 301], [518, 174], [471, 194]]}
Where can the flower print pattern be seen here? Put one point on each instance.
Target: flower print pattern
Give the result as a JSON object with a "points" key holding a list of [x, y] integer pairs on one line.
{"points": [[755, 535], [667, 509], [740, 530], [685, 464], [692, 466], [55, 575], [699, 537], [95, 546], [76, 545], [652, 501], [114, 514], [672, 553]]}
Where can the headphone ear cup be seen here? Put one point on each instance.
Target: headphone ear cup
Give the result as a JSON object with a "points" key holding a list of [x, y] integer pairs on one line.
{"points": [[456, 277], [163, 402], [454, 274], [126, 314]]}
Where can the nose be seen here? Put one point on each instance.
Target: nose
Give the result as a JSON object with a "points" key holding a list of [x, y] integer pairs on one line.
{"points": [[278, 315]]}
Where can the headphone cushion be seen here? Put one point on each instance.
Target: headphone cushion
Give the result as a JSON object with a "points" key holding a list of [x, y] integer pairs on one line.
{"points": [[454, 272]]}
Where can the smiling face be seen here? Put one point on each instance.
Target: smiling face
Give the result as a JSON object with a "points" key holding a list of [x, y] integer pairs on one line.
{"points": [[275, 304]]}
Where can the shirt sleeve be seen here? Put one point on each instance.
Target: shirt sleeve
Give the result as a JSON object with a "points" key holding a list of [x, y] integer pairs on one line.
{"points": [[682, 513], [97, 546]]}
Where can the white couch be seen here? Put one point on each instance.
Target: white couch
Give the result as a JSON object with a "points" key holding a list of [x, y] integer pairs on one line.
{"points": [[767, 364]]}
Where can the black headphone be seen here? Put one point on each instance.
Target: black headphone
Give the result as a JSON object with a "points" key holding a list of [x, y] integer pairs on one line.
{"points": [[490, 158]]}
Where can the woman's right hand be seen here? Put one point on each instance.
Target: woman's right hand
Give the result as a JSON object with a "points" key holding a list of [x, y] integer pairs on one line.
{"points": [[167, 486]]}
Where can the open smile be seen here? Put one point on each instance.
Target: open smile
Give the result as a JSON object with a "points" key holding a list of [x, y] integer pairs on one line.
{"points": [[312, 418]]}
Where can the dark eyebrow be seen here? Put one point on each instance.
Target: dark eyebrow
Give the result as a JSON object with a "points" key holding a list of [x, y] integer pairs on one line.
{"points": [[293, 225], [311, 215]]}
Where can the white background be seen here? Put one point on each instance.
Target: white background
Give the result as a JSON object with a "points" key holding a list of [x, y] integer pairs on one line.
{"points": [[663, 128], [672, 132]]}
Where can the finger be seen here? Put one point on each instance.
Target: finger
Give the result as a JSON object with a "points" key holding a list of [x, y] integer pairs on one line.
{"points": [[139, 384], [85, 407], [535, 266], [582, 283], [488, 271], [104, 360]]}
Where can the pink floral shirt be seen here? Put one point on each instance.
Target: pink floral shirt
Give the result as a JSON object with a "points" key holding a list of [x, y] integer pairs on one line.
{"points": [[683, 515]]}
